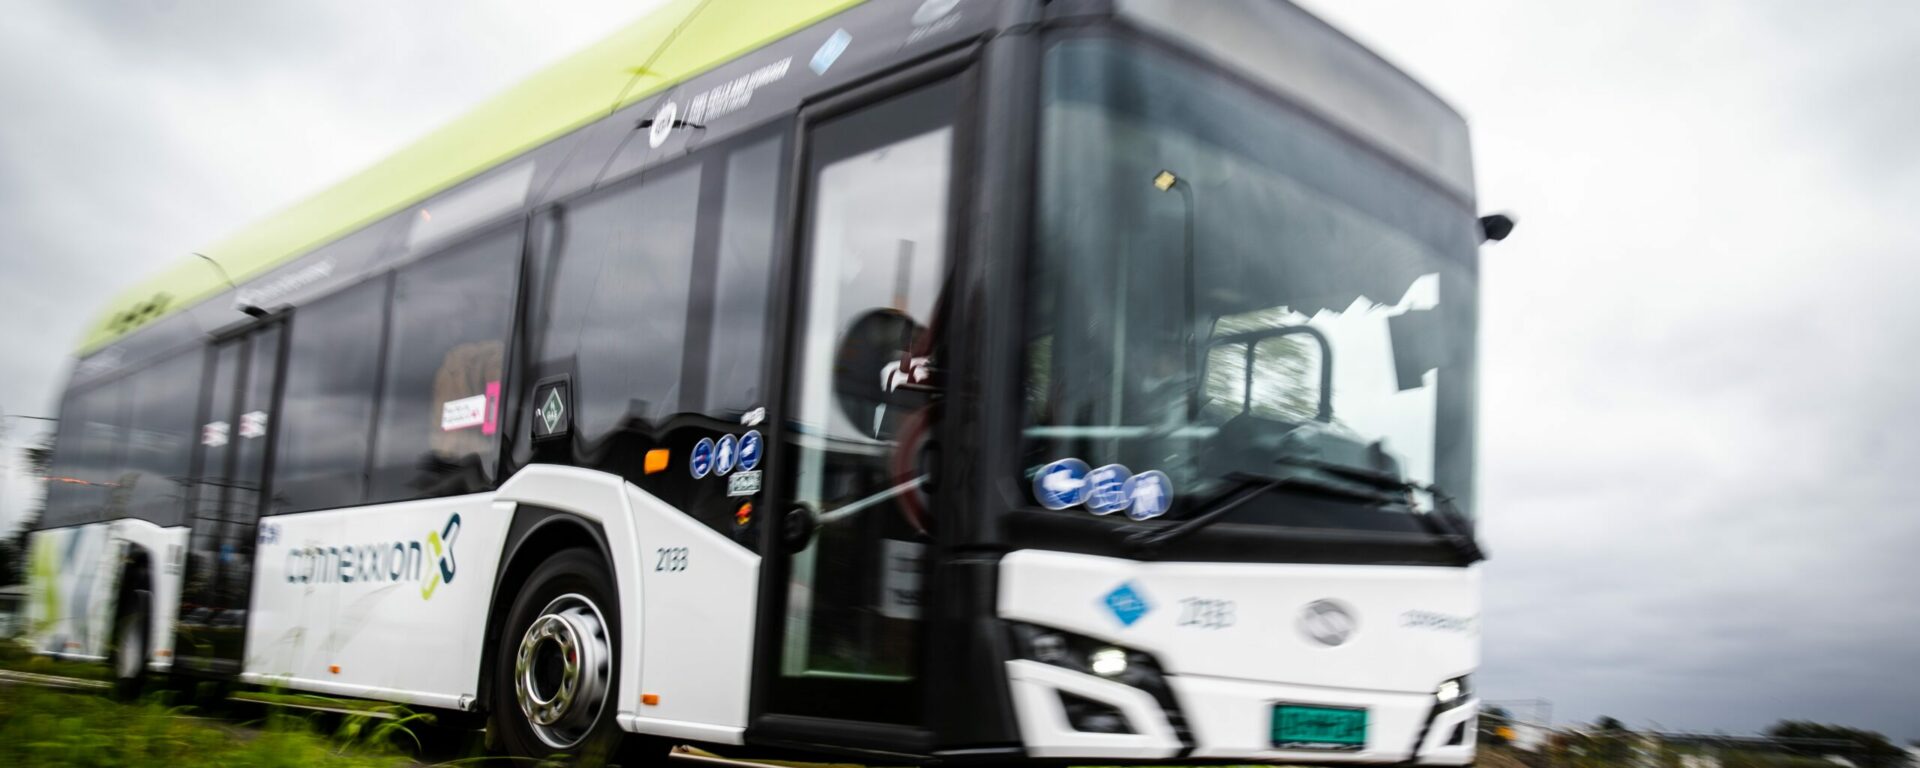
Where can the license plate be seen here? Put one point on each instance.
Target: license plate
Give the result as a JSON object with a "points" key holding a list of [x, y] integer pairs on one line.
{"points": [[1325, 728]]}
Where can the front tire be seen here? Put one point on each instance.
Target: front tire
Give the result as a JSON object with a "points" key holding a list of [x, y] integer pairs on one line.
{"points": [[129, 657], [556, 662]]}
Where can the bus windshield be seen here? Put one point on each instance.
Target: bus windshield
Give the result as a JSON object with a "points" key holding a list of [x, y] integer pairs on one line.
{"points": [[1226, 289]]}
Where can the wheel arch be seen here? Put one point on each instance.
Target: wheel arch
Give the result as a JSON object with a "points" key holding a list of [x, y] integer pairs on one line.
{"points": [[135, 572], [536, 533]]}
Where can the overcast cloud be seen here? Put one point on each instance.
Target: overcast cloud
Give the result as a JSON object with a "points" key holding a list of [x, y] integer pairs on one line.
{"points": [[1700, 403]]}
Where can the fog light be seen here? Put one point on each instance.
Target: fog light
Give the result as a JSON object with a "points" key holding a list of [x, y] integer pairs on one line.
{"points": [[1049, 647], [1108, 662], [1088, 716]]}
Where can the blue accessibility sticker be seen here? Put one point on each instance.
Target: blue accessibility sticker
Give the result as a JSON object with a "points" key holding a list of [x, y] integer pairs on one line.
{"points": [[1061, 484], [1149, 495], [725, 453], [701, 462], [1106, 489], [1127, 603], [750, 450]]}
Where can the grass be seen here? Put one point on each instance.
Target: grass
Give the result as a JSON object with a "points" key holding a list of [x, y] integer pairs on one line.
{"points": [[40, 727], [16, 657]]}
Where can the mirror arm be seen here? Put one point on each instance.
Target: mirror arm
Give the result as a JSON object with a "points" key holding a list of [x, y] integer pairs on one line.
{"points": [[1253, 339]]}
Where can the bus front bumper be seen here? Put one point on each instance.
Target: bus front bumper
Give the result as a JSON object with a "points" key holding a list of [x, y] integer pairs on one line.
{"points": [[1228, 719]]}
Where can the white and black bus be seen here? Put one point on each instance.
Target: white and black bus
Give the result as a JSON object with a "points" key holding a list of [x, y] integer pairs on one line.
{"points": [[922, 381]]}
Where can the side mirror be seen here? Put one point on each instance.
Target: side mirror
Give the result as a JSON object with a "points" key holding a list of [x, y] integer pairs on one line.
{"points": [[1495, 227], [1252, 345], [877, 381]]}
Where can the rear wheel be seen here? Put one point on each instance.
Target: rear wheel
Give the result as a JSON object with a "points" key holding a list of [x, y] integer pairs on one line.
{"points": [[556, 663], [129, 656]]}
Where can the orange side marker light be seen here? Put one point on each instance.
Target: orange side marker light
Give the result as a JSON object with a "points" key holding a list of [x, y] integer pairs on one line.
{"points": [[334, 668], [656, 461], [650, 699]]}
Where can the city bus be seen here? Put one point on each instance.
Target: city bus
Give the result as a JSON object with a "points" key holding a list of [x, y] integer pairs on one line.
{"points": [[908, 381]]}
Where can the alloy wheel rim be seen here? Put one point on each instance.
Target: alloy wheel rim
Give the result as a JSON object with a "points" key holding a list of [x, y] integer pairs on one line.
{"points": [[563, 670]]}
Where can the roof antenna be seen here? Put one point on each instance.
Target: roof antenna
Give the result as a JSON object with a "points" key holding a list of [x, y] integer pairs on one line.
{"points": [[251, 310]]}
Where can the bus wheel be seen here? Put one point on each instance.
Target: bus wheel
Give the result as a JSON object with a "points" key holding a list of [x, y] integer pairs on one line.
{"points": [[129, 656], [556, 662]]}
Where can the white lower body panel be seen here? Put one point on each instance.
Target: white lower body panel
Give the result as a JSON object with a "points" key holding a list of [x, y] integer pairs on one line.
{"points": [[74, 576], [1235, 639]]}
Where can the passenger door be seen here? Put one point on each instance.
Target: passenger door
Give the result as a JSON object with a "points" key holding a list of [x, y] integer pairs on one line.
{"points": [[230, 482], [842, 607]]}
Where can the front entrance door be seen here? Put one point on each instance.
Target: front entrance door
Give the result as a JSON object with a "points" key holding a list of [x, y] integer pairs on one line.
{"points": [[875, 242], [236, 435]]}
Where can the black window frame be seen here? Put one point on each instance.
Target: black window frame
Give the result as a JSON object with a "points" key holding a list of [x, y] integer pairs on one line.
{"points": [[191, 359], [548, 243], [494, 462], [1022, 523], [384, 280]]}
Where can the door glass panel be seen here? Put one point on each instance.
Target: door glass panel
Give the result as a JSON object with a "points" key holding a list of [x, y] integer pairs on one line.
{"points": [[202, 604], [252, 434], [877, 257], [234, 437]]}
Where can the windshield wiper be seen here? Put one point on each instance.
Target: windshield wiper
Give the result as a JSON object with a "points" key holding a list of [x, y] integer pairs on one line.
{"points": [[1445, 521], [1251, 487], [1155, 538]]}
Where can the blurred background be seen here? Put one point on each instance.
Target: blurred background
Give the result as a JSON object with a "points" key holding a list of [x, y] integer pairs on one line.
{"points": [[1700, 418]]}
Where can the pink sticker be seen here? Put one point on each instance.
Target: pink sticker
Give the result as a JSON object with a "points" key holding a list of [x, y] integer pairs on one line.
{"points": [[492, 423]]}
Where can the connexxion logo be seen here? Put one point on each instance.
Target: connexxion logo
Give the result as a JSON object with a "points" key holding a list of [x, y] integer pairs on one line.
{"points": [[391, 561]]}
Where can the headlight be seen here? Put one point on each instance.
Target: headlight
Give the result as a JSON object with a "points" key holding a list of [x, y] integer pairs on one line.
{"points": [[1108, 662], [1091, 656], [1451, 693]]}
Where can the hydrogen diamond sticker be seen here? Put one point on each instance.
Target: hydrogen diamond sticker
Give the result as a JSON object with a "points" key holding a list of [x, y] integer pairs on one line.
{"points": [[1061, 484], [553, 410], [1127, 603]]}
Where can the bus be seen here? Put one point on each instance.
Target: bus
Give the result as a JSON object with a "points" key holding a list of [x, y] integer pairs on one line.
{"points": [[920, 381]]}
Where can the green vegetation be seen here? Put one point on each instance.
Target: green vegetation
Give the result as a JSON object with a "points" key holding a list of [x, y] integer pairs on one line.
{"points": [[16, 657], [40, 727]]}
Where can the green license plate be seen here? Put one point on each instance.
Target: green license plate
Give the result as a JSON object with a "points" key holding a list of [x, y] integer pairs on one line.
{"points": [[1336, 728]]}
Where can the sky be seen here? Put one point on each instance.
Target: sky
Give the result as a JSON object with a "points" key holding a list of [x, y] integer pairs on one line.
{"points": [[1699, 405]]}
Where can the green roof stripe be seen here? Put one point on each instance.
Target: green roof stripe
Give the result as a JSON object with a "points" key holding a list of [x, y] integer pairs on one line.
{"points": [[570, 94]]}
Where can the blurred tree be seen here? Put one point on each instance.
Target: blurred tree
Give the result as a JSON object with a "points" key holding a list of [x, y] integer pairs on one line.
{"points": [[38, 462], [39, 457], [1869, 749], [1612, 740]]}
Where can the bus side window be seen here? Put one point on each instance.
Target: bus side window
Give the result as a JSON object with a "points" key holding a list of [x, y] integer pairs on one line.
{"points": [[748, 219], [627, 257], [64, 494], [103, 451], [439, 417], [326, 409], [166, 400]]}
